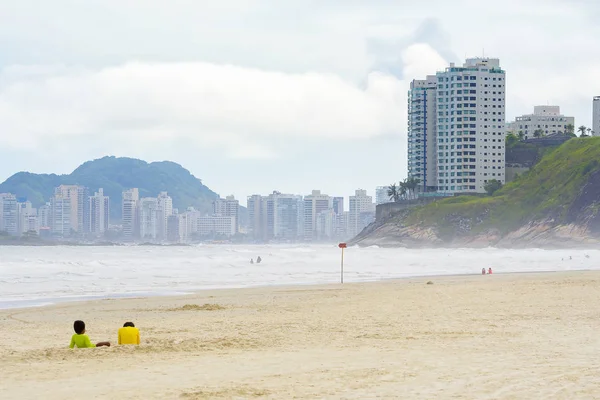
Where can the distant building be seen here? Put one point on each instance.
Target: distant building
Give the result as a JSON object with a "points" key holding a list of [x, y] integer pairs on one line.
{"points": [[99, 211], [227, 207], [28, 221], [60, 215], [360, 204], [314, 204], [596, 116], [276, 216], [77, 199], [326, 225], [338, 205], [44, 216], [254, 207], [381, 195], [149, 216], [547, 119], [173, 228], [129, 209], [216, 225], [9, 214], [164, 211], [422, 133]]}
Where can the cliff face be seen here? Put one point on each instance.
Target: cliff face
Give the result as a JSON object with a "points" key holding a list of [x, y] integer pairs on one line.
{"points": [[556, 204]]}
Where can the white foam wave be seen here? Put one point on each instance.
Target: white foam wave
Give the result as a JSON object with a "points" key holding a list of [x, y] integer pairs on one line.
{"points": [[78, 272]]}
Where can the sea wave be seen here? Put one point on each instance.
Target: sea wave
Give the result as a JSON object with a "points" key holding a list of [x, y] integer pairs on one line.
{"points": [[72, 273]]}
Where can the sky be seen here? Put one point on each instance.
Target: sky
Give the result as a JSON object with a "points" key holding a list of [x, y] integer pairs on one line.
{"points": [[259, 95]]}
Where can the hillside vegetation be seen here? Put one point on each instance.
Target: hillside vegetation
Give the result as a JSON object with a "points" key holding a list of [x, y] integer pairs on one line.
{"points": [[115, 175], [563, 189], [546, 191]]}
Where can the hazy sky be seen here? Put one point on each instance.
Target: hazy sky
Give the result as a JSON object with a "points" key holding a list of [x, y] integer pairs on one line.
{"points": [[253, 96]]}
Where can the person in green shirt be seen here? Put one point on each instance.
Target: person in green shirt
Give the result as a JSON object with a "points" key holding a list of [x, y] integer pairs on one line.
{"points": [[81, 340]]}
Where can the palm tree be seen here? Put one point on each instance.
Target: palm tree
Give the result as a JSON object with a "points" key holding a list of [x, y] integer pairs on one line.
{"points": [[582, 130], [402, 190], [521, 136], [411, 184], [393, 192], [538, 133], [570, 130], [589, 131]]}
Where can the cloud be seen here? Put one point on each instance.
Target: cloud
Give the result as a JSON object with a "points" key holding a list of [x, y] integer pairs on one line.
{"points": [[245, 111]]}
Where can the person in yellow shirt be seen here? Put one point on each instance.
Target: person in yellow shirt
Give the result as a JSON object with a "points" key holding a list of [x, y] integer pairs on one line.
{"points": [[129, 334], [81, 340]]}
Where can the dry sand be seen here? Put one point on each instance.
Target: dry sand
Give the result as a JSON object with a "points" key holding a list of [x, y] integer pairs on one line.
{"points": [[525, 336]]}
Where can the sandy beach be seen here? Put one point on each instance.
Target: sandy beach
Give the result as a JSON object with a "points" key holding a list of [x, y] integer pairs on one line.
{"points": [[514, 336]]}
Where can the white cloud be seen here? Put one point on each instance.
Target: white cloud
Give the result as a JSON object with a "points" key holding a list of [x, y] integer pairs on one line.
{"points": [[208, 104]]}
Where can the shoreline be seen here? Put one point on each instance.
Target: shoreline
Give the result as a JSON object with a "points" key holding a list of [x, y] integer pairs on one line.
{"points": [[50, 302]]}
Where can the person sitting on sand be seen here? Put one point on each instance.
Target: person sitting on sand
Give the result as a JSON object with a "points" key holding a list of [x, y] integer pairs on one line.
{"points": [[81, 340], [258, 260], [129, 334], [489, 270], [252, 261]]}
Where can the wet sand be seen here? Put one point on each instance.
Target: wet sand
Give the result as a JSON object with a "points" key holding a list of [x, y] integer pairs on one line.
{"points": [[517, 336]]}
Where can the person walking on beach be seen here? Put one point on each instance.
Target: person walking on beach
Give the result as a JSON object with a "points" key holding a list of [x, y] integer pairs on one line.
{"points": [[483, 271], [81, 340]]}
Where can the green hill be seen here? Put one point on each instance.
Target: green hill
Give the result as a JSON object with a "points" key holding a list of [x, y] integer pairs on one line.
{"points": [[563, 189], [115, 175]]}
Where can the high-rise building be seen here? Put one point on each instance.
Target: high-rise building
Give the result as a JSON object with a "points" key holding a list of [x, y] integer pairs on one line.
{"points": [[422, 138], [314, 204], [149, 217], [129, 209], [27, 219], [99, 210], [360, 204], [165, 210], [596, 116], [9, 214], [338, 205], [285, 210], [381, 195], [546, 120], [76, 196], [44, 216], [470, 125], [254, 207], [216, 225], [60, 215], [227, 207]]}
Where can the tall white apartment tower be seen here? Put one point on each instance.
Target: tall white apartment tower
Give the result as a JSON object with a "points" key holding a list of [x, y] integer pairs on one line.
{"points": [[9, 214], [422, 149], [359, 203], [165, 210], [314, 204], [227, 207], [76, 196], [150, 218], [470, 125], [129, 208], [99, 206], [596, 116]]}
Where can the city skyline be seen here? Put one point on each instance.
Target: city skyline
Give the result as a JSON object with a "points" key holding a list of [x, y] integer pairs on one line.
{"points": [[293, 113], [74, 213]]}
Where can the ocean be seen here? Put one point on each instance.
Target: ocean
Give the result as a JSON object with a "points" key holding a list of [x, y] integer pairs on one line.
{"points": [[37, 276]]}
